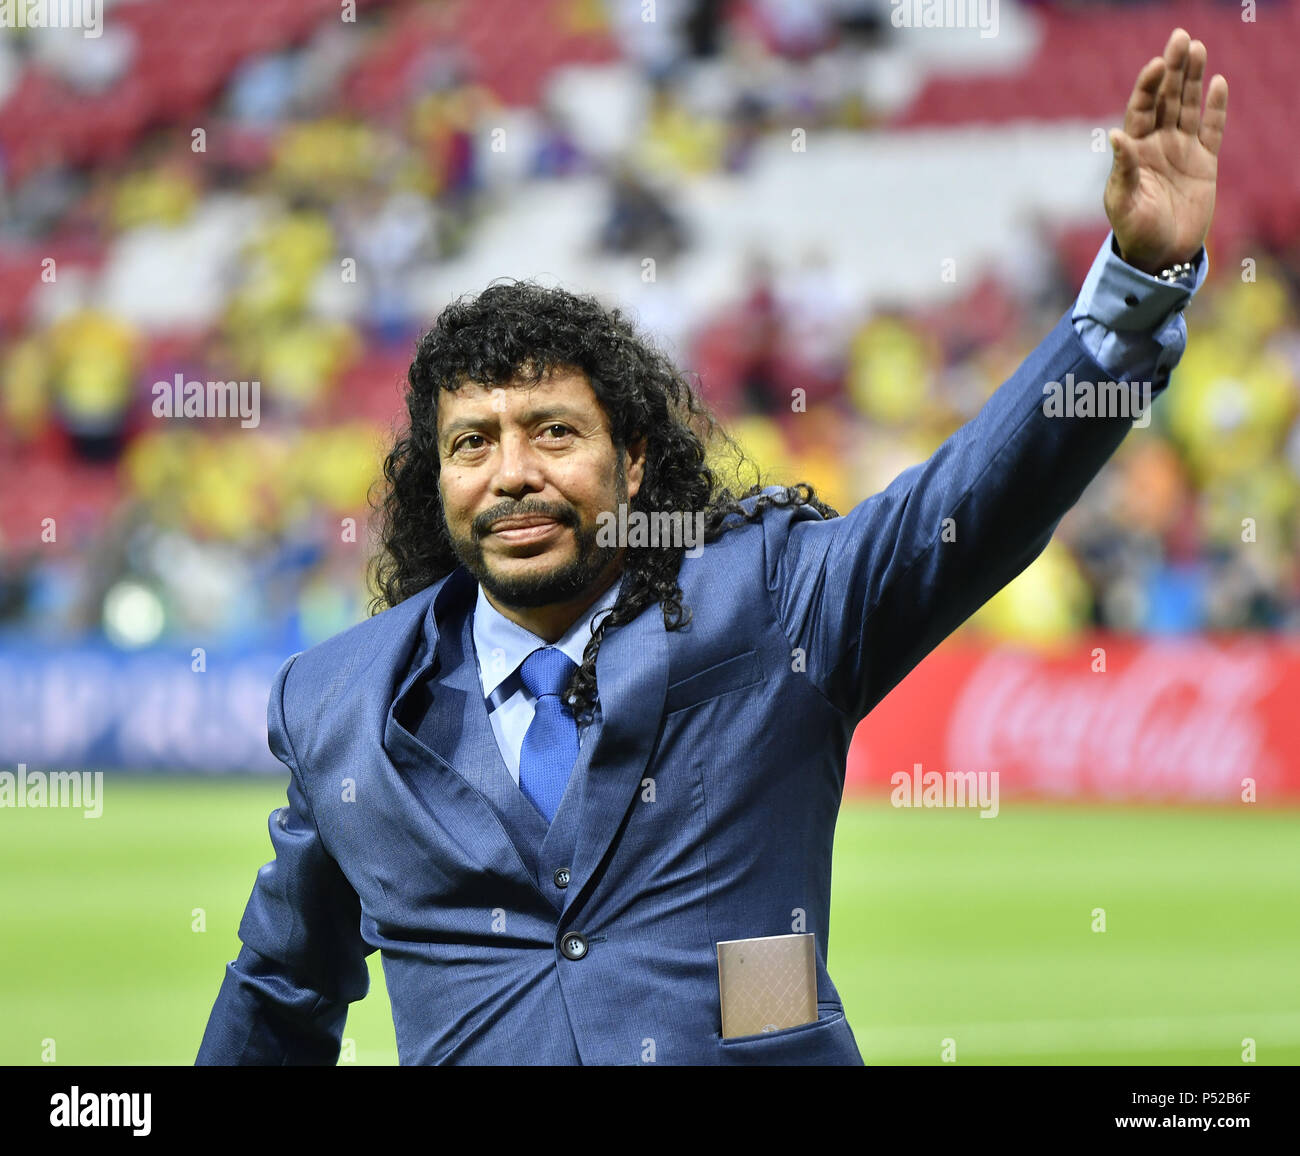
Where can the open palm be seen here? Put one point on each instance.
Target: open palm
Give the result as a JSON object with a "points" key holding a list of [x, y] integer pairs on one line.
{"points": [[1160, 193]]}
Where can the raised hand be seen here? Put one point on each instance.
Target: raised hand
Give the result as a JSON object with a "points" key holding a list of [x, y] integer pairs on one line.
{"points": [[1160, 193]]}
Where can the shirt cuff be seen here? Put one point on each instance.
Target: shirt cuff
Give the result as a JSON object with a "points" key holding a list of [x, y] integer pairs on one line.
{"points": [[1130, 322]]}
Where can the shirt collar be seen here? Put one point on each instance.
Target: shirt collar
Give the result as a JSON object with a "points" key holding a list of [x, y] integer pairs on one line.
{"points": [[503, 645]]}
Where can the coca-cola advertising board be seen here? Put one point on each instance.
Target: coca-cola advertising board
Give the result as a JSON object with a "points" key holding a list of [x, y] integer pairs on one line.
{"points": [[1198, 720]]}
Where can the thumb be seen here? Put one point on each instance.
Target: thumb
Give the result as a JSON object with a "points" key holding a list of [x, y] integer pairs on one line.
{"points": [[1124, 153]]}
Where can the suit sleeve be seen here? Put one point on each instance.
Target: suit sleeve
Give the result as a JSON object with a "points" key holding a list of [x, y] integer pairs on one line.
{"points": [[869, 594], [284, 1000]]}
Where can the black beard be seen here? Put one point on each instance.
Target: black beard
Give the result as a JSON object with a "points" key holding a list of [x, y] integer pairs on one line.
{"points": [[562, 585]]}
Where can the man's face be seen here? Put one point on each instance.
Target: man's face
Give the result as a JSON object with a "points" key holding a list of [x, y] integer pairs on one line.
{"points": [[541, 456]]}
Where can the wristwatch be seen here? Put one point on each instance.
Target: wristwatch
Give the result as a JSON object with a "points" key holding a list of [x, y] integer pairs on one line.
{"points": [[1185, 270]]}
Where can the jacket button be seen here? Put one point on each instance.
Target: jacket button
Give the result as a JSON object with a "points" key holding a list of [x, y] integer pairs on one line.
{"points": [[561, 877], [573, 946]]}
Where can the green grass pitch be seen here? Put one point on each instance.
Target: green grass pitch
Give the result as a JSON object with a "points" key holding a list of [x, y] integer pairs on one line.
{"points": [[945, 926]]}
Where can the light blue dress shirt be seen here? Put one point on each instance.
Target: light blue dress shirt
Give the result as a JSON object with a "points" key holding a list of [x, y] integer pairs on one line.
{"points": [[1130, 323], [501, 647]]}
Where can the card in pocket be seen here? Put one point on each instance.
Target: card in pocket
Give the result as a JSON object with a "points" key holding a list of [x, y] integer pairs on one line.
{"points": [[766, 984]]}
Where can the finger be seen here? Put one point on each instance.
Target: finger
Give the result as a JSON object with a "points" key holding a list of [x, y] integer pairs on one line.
{"points": [[1140, 115], [1189, 116], [1216, 114], [1125, 159], [1171, 88]]}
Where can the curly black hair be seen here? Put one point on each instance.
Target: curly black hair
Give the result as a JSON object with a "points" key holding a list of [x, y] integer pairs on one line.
{"points": [[520, 332]]}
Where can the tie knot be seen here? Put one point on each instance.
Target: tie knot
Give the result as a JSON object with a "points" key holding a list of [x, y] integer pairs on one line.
{"points": [[546, 671]]}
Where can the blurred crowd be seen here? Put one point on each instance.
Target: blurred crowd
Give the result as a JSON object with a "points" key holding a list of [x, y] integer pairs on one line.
{"points": [[210, 532]]}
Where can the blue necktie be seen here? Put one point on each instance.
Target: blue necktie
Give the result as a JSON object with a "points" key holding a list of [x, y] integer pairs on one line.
{"points": [[551, 743]]}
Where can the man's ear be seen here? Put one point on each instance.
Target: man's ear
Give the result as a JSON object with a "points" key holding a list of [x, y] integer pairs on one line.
{"points": [[634, 464]]}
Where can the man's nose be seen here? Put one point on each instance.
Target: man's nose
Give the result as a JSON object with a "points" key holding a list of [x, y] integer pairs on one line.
{"points": [[518, 466]]}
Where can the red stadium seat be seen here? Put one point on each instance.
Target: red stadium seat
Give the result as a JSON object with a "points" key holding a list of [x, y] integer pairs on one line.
{"points": [[1080, 70]]}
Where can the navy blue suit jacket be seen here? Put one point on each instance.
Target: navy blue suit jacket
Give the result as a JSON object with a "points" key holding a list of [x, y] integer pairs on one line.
{"points": [[704, 811]]}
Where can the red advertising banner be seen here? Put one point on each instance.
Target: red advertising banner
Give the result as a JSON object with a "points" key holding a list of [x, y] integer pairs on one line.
{"points": [[1187, 720]]}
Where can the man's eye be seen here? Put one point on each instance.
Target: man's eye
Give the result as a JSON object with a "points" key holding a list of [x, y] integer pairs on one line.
{"points": [[463, 444], [564, 429]]}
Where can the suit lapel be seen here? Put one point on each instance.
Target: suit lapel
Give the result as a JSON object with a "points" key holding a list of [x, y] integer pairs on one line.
{"points": [[462, 732], [632, 678], [439, 737]]}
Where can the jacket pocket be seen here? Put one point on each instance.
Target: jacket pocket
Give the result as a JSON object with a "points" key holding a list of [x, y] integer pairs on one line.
{"points": [[731, 674], [827, 1041]]}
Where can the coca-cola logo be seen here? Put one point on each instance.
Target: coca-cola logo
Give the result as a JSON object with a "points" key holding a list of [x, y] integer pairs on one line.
{"points": [[1179, 721]]}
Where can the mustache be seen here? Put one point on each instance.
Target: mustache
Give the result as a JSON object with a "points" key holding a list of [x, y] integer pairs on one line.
{"points": [[565, 515]]}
